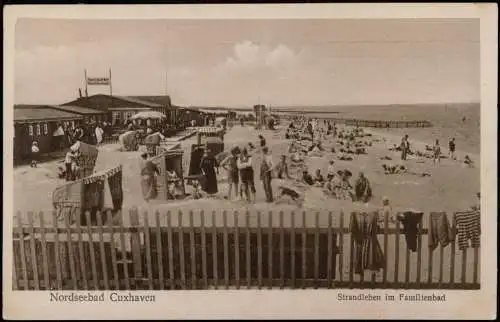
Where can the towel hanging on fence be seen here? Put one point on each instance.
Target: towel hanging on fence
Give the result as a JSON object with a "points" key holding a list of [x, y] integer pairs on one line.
{"points": [[411, 220], [439, 230], [367, 251], [468, 227], [108, 199]]}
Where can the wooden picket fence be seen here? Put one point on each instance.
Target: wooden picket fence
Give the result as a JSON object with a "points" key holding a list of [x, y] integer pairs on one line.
{"points": [[198, 250]]}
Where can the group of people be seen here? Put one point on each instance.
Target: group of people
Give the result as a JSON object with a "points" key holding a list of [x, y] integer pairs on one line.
{"points": [[404, 147], [240, 173]]}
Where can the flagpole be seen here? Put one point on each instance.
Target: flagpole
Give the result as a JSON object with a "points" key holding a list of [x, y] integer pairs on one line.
{"points": [[86, 83], [110, 84]]}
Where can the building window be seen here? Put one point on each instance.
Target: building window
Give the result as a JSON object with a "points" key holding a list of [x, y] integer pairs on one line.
{"points": [[30, 130], [45, 128], [38, 129]]}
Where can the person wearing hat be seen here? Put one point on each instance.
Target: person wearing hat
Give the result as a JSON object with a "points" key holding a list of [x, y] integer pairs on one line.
{"points": [[35, 150], [208, 165]]}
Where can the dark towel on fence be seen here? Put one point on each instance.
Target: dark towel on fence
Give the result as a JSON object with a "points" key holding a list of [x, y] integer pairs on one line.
{"points": [[439, 230], [410, 221], [367, 251], [468, 227]]}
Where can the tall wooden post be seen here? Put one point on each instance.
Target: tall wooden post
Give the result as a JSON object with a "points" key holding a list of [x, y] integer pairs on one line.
{"points": [[86, 83]]}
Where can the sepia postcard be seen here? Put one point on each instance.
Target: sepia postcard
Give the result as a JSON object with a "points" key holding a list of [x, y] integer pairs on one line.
{"points": [[250, 161]]}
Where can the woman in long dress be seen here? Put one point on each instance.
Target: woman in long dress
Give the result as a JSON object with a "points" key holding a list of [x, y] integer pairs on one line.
{"points": [[208, 165], [149, 170]]}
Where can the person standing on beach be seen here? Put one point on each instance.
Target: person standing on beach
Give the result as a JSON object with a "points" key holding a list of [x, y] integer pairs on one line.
{"points": [[436, 149], [310, 130], [405, 147], [246, 175], [266, 168], [230, 165], [451, 146]]}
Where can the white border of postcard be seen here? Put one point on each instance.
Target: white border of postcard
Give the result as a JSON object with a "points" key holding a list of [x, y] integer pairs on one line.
{"points": [[291, 304]]}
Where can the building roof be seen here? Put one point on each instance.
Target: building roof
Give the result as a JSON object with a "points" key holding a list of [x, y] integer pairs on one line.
{"points": [[214, 111], [40, 113], [118, 108], [78, 109], [157, 99], [104, 102], [136, 100]]}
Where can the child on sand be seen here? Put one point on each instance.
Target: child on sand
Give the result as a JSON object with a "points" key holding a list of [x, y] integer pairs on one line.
{"points": [[34, 154]]}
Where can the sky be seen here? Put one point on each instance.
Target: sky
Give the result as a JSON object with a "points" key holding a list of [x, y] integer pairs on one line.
{"points": [[278, 62]]}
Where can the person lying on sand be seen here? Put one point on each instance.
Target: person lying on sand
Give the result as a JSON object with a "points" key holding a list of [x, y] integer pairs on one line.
{"points": [[468, 161], [291, 193], [319, 180], [345, 158], [394, 169]]}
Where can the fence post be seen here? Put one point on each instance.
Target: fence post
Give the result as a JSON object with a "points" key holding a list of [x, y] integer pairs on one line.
{"points": [[34, 261], [225, 250], [341, 247], [192, 250], [71, 254], [147, 243], [182, 259], [270, 250], [124, 253], [170, 246], [316, 251], [203, 249], [304, 250], [259, 250], [292, 248], [135, 241], [215, 251], [236, 245], [282, 251], [44, 252], [248, 251], [91, 250], [104, 265], [396, 260], [22, 252], [113, 250]]}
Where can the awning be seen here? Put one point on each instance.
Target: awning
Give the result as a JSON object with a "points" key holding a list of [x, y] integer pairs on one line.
{"points": [[148, 115]]}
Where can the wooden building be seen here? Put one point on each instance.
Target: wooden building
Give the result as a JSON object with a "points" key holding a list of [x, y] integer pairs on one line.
{"points": [[120, 108], [38, 122], [89, 115]]}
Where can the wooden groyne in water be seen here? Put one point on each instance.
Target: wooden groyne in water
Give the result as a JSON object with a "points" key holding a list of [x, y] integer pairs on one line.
{"points": [[382, 124], [376, 123]]}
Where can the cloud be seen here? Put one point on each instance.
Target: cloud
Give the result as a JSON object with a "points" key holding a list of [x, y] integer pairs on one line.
{"points": [[247, 56]]}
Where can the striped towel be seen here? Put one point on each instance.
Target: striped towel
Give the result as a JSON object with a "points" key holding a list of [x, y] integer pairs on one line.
{"points": [[468, 227]]}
